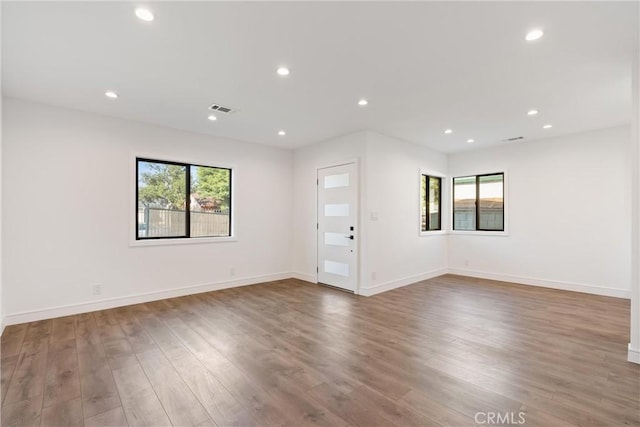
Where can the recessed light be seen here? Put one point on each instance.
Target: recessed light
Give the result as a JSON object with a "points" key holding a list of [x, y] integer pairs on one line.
{"points": [[534, 35], [470, 141], [532, 112], [283, 71], [363, 102], [144, 14], [111, 94], [448, 131], [281, 133], [547, 126], [212, 118]]}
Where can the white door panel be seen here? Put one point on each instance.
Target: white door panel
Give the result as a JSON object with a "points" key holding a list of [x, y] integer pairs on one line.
{"points": [[337, 221], [336, 209]]}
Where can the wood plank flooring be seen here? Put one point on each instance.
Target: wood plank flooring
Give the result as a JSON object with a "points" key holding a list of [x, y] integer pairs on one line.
{"points": [[436, 353]]}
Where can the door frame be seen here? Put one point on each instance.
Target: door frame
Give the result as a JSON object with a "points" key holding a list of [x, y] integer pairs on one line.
{"points": [[359, 222]]}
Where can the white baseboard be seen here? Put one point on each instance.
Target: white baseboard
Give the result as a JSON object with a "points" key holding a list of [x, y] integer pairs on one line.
{"points": [[304, 276], [633, 354], [68, 310], [387, 286], [565, 286]]}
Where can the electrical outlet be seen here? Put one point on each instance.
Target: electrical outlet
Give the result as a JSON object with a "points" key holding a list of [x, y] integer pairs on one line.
{"points": [[466, 263], [96, 289], [373, 275], [232, 271]]}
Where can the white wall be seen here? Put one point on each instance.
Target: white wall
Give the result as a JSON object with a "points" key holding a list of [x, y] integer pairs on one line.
{"points": [[67, 212], [569, 214], [397, 252], [1, 173], [66, 207], [1, 240], [634, 342]]}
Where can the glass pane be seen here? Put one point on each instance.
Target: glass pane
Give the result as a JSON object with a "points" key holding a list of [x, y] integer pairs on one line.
{"points": [[338, 268], [491, 210], [464, 203], [210, 202], [434, 203], [335, 181], [423, 203], [161, 199]]}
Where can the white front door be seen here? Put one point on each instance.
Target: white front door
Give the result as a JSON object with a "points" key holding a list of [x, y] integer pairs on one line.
{"points": [[337, 221]]}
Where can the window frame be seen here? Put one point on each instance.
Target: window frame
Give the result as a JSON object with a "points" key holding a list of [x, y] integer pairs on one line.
{"points": [[444, 194], [482, 231], [135, 240], [428, 178]]}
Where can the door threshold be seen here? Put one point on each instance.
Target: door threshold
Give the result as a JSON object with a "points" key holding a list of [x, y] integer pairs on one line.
{"points": [[337, 288]]}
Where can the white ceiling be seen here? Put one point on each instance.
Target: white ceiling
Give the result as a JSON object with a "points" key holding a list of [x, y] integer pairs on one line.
{"points": [[423, 66]]}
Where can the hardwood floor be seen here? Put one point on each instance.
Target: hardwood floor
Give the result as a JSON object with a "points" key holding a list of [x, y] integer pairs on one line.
{"points": [[449, 351]]}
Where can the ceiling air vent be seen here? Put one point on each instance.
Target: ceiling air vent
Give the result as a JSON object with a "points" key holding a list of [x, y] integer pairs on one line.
{"points": [[517, 138], [220, 108]]}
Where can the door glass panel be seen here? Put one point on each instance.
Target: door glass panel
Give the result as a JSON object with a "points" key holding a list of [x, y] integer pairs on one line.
{"points": [[336, 209], [335, 181], [339, 268], [336, 239]]}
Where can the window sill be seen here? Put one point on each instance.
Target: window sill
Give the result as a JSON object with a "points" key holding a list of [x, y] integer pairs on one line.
{"points": [[180, 241], [480, 233]]}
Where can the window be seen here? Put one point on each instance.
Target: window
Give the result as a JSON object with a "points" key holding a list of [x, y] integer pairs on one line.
{"points": [[178, 200], [430, 205], [478, 202]]}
